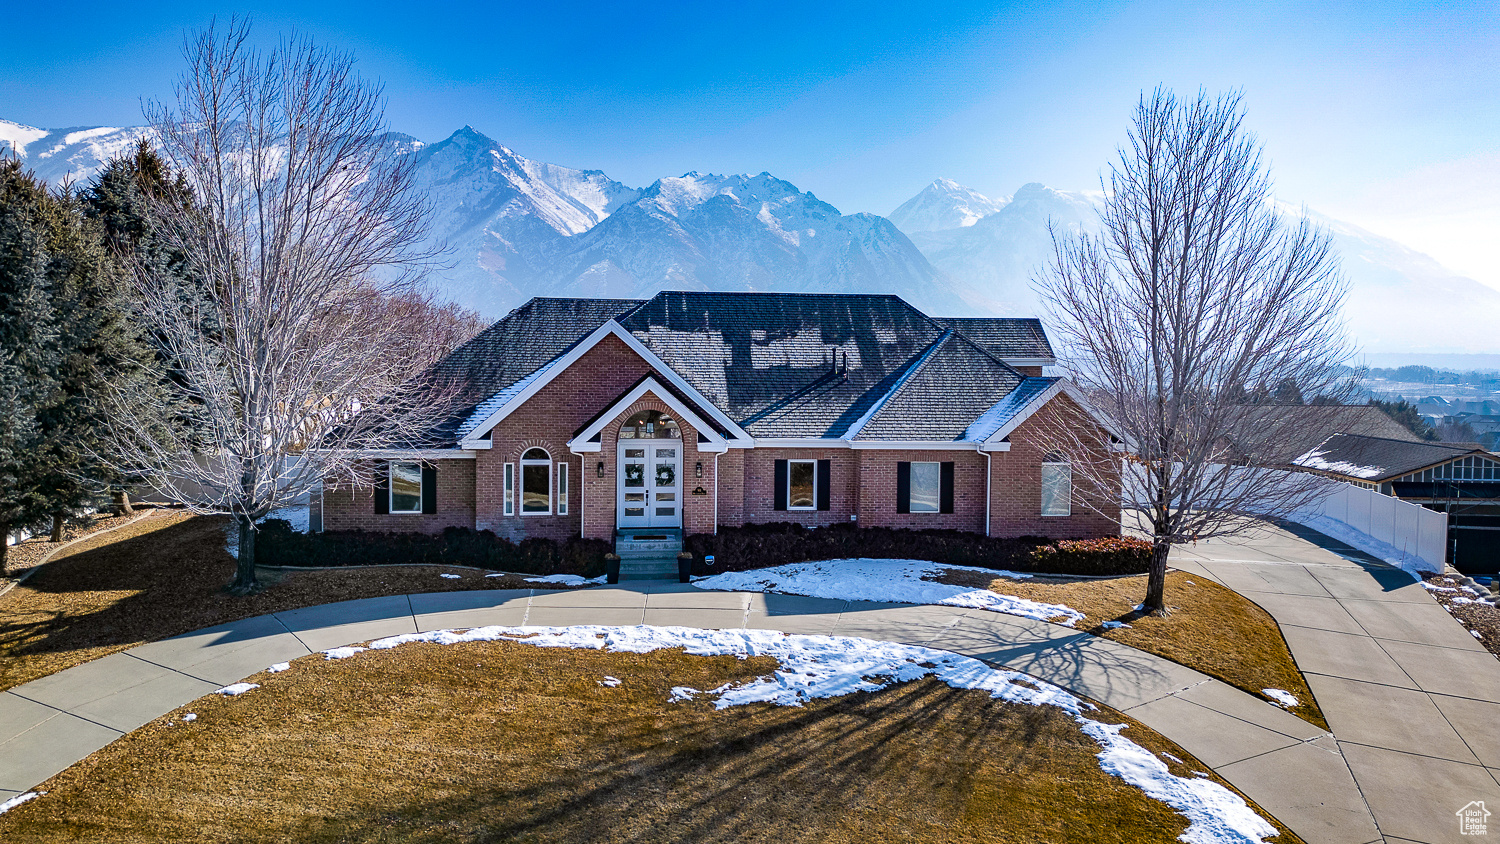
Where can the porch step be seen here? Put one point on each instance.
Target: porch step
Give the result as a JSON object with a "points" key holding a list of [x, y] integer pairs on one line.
{"points": [[648, 553]]}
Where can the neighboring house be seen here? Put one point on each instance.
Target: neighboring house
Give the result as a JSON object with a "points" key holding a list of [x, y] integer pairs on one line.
{"points": [[1460, 479], [1293, 430], [693, 410]]}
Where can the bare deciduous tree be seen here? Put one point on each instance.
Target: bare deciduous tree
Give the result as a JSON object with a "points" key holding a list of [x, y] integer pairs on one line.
{"points": [[304, 228], [1197, 306]]}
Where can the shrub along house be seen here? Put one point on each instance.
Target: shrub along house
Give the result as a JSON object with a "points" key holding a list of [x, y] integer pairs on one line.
{"points": [[614, 419]]}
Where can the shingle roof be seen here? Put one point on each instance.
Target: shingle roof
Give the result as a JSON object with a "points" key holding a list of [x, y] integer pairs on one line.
{"points": [[516, 347], [1377, 458], [786, 365], [1006, 409], [1291, 430], [955, 383], [1005, 338], [780, 365]]}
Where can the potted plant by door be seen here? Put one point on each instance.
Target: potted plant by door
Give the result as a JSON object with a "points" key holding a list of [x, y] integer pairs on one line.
{"points": [[612, 567], [685, 567]]}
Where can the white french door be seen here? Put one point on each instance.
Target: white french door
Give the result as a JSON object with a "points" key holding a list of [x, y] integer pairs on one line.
{"points": [[649, 484]]}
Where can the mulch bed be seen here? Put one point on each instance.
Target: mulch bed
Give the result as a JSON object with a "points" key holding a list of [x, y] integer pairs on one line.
{"points": [[1473, 615], [24, 555]]}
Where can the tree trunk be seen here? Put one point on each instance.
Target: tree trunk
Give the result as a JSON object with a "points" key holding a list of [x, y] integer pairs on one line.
{"points": [[4, 549], [244, 582], [122, 502], [1156, 579], [57, 527]]}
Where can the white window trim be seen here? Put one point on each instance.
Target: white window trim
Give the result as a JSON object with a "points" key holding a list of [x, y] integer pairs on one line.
{"points": [[390, 488], [562, 488], [911, 498], [545, 463], [1068, 498], [508, 480], [789, 506]]}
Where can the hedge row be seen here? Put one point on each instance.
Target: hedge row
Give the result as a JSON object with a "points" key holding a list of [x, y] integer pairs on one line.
{"points": [[278, 545], [773, 544]]}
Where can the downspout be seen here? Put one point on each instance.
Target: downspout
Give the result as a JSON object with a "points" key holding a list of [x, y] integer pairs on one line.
{"points": [[987, 502], [716, 493], [583, 510]]}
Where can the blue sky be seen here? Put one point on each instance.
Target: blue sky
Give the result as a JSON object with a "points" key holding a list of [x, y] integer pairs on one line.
{"points": [[1385, 114]]}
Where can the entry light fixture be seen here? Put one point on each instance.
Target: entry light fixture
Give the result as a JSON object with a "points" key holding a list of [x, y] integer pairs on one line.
{"points": [[698, 469], [600, 469]]}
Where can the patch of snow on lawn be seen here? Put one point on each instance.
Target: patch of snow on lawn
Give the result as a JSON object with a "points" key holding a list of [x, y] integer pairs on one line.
{"points": [[280, 667], [18, 800], [1173, 758], [1286, 699], [1476, 634], [1435, 588], [610, 681], [1113, 625], [343, 653], [237, 689], [566, 579], [190, 717], [898, 581], [812, 667], [1215, 814], [446, 576]]}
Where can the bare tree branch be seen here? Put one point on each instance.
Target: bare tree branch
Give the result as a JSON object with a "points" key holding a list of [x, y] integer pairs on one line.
{"points": [[1197, 304], [304, 228]]}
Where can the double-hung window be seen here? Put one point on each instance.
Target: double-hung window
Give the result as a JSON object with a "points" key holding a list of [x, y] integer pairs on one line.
{"points": [[926, 487], [562, 489], [536, 483], [406, 487], [802, 485], [1057, 486]]}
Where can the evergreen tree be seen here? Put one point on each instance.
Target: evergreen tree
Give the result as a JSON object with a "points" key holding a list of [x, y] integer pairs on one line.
{"points": [[29, 353], [67, 335]]}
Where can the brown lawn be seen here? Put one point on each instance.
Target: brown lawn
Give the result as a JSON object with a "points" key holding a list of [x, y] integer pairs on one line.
{"points": [[508, 742], [1210, 629], [161, 576]]}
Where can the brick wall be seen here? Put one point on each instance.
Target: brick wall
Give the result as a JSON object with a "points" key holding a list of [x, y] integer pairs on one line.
{"points": [[353, 508], [877, 478], [547, 420], [1016, 492], [759, 493], [697, 510]]}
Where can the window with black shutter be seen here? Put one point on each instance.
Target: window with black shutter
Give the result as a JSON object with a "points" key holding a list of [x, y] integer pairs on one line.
{"points": [[825, 488], [383, 491], [946, 493], [903, 487], [779, 483], [429, 490]]}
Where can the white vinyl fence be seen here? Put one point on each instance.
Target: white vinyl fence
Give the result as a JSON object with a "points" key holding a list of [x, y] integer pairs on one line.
{"points": [[1399, 532]]}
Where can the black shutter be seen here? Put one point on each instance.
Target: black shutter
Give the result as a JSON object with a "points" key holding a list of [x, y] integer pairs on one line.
{"points": [[383, 489], [903, 487], [825, 489], [429, 489], [780, 495], [945, 492]]}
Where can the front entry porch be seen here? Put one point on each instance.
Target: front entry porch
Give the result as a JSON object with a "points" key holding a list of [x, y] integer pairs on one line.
{"points": [[648, 553]]}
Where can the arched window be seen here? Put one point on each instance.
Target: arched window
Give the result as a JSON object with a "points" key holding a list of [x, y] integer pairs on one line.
{"points": [[1057, 485], [536, 482], [650, 425]]}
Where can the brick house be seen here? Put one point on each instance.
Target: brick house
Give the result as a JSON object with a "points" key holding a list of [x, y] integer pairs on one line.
{"points": [[691, 410]]}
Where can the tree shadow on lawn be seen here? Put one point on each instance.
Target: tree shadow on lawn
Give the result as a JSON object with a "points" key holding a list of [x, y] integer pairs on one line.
{"points": [[918, 758]]}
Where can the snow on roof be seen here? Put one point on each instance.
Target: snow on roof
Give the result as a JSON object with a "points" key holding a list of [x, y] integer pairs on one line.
{"points": [[1004, 410], [1315, 460]]}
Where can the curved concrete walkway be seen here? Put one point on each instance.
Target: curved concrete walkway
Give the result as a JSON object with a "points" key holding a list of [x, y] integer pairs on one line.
{"points": [[1272, 756], [1412, 697]]}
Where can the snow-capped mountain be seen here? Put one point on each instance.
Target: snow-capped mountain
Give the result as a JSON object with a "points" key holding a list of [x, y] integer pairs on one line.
{"points": [[710, 232], [59, 154], [1398, 300], [944, 204]]}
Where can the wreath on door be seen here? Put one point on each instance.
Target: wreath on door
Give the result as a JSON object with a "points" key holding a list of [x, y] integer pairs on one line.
{"points": [[635, 474], [666, 474]]}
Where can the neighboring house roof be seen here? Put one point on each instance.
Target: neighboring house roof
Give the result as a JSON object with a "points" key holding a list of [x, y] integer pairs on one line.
{"points": [[1377, 459], [1007, 338], [774, 366], [1296, 429]]}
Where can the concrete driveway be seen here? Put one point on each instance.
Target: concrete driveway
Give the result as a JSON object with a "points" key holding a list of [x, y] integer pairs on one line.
{"points": [[1412, 698]]}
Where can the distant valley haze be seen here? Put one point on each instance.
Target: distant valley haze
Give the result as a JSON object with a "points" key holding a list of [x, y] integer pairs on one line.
{"points": [[919, 150]]}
